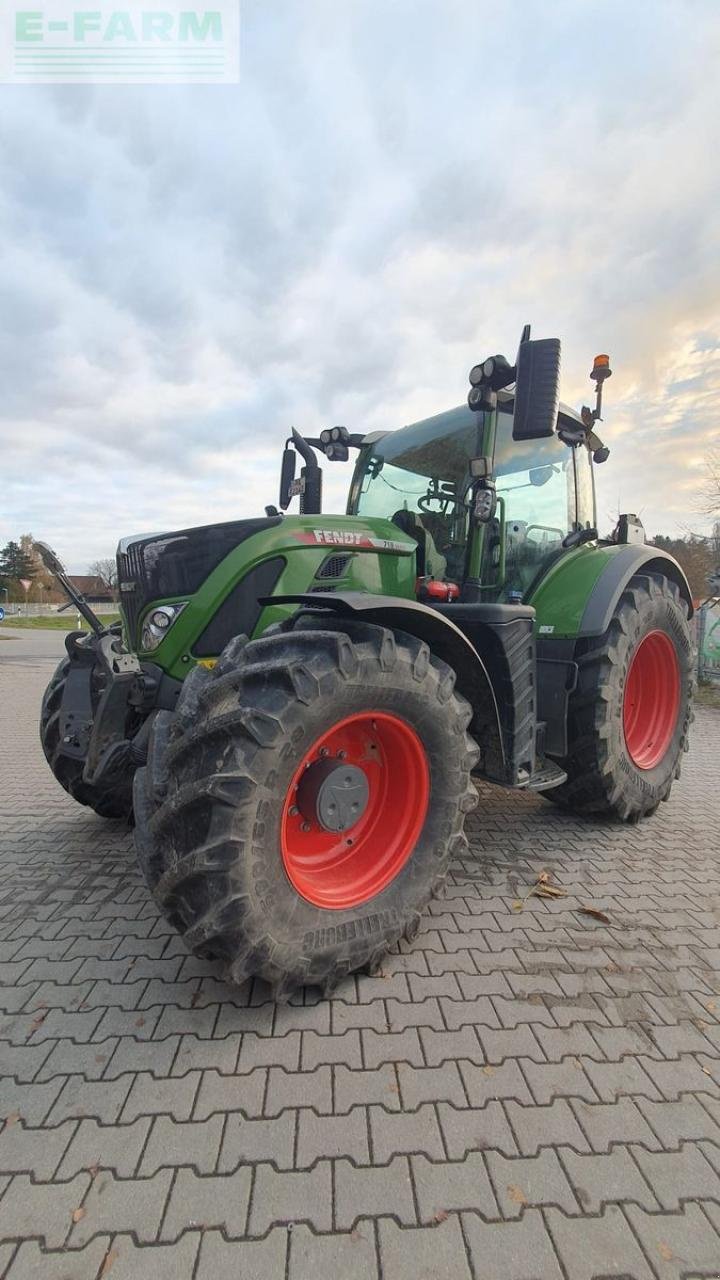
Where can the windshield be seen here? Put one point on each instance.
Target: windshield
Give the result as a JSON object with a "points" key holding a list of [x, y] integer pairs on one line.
{"points": [[419, 478]]}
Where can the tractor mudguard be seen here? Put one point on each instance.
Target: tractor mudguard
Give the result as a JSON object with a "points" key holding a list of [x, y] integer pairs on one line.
{"points": [[446, 640], [624, 563], [575, 601], [578, 594]]}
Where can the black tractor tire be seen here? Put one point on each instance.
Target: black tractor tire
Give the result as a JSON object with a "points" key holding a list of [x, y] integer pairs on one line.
{"points": [[604, 778], [115, 803], [211, 803]]}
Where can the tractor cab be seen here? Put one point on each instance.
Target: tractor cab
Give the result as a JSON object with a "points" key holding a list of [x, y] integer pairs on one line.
{"points": [[421, 477]]}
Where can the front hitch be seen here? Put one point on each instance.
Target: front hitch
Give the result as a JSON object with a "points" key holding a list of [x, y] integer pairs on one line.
{"points": [[108, 746]]}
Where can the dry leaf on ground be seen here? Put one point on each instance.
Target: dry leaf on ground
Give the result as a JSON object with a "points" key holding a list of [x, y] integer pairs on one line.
{"points": [[595, 913], [516, 1194]]}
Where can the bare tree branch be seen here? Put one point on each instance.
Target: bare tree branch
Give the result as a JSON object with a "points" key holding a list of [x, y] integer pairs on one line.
{"points": [[106, 570]]}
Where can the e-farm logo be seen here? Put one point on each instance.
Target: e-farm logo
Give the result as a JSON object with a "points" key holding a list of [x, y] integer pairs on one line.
{"points": [[61, 42]]}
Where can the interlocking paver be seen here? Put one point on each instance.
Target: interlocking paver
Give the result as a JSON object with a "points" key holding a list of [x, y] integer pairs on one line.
{"points": [[354, 1088], [35, 1151], [398, 1132], [605, 1123], [31, 1262], [172, 1097], [256, 1259], [522, 1250], [524, 1180], [31, 1102], [477, 1129], [208, 1202], [96, 1146], [676, 1176], [292, 1197], [43, 1210], [123, 1204], [438, 1250], [503, 1061], [604, 1246], [362, 1193], [130, 1261], [612, 1176], [428, 1084], [351, 1256], [262, 1140], [172, 1144], [441, 1188], [324, 1137]]}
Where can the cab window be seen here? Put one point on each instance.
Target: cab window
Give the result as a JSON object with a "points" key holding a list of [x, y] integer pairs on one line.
{"points": [[536, 495]]}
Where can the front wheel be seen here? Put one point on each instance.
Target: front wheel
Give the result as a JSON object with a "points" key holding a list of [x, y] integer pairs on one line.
{"points": [[302, 806], [108, 802], [631, 712]]}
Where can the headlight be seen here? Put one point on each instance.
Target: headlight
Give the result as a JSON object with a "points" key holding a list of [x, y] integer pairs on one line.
{"points": [[158, 622]]}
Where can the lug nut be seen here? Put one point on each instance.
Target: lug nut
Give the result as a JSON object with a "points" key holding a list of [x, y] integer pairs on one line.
{"points": [[324, 751], [341, 755], [293, 811], [305, 826]]}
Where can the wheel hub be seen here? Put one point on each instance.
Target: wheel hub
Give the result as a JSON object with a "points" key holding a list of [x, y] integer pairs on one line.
{"points": [[333, 794]]}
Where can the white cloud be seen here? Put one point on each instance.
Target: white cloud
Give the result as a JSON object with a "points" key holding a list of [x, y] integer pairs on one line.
{"points": [[390, 193]]}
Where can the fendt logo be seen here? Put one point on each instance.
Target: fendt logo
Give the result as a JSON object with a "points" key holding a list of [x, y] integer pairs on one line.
{"points": [[61, 43]]}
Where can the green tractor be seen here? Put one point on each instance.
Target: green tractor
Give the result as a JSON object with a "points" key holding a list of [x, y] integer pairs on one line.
{"points": [[294, 707]]}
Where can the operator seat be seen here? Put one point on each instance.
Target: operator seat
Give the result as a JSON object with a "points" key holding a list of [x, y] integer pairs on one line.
{"points": [[430, 562]]}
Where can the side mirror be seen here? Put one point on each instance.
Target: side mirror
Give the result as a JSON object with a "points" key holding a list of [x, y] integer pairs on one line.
{"points": [[287, 475], [537, 389]]}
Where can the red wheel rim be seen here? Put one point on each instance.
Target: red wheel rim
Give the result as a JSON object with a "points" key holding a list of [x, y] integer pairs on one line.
{"points": [[338, 869], [652, 700]]}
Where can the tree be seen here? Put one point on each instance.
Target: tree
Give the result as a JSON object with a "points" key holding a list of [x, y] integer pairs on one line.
{"points": [[43, 583], [696, 555], [106, 570], [15, 563]]}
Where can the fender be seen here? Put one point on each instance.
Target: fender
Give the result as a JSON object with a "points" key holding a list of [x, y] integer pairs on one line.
{"points": [[445, 640], [576, 600], [625, 562], [578, 594]]}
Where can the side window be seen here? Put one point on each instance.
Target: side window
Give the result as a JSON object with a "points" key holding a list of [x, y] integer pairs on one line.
{"points": [[535, 484], [586, 517]]}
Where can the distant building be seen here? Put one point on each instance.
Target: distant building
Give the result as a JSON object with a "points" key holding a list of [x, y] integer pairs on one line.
{"points": [[92, 587]]}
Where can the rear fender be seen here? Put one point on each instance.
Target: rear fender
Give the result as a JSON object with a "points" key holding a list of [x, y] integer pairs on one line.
{"points": [[624, 564], [445, 640], [575, 601], [578, 595]]}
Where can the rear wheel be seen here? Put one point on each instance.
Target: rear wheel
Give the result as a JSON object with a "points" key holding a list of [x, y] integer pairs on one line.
{"points": [[302, 806], [631, 712], [108, 803]]}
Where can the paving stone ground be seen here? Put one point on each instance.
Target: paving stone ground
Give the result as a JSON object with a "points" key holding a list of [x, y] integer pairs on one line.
{"points": [[522, 1095]]}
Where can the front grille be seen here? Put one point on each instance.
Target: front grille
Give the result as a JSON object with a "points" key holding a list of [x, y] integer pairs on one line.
{"points": [[131, 580], [168, 566]]}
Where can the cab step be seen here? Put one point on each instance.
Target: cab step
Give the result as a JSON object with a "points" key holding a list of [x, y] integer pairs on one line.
{"points": [[546, 776]]}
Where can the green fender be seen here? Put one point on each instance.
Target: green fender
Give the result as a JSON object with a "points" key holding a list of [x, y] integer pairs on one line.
{"points": [[579, 593]]}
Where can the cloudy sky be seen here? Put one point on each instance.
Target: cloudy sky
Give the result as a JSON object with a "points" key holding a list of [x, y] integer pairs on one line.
{"points": [[394, 188]]}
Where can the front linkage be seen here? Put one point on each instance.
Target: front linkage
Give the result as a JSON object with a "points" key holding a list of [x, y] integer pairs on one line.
{"points": [[93, 724]]}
